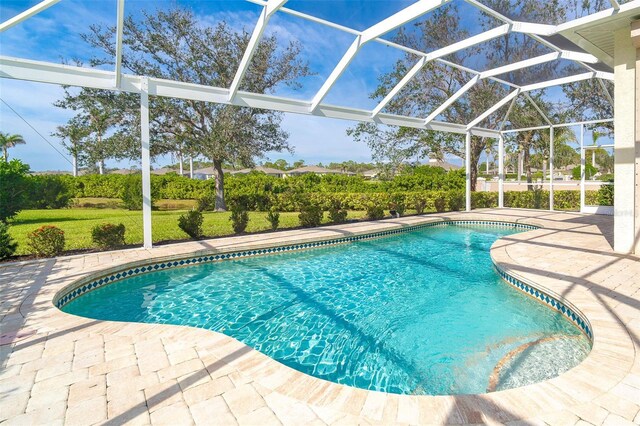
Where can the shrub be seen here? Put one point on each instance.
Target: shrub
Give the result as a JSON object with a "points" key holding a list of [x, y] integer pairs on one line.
{"points": [[481, 200], [456, 200], [310, 215], [207, 202], [274, 218], [50, 192], [108, 235], [418, 201], [337, 214], [374, 212], [239, 218], [131, 194], [440, 202], [46, 241], [191, 223], [605, 194], [398, 203], [14, 188], [7, 245]]}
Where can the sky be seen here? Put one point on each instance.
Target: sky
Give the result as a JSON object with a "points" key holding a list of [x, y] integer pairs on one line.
{"points": [[54, 35]]}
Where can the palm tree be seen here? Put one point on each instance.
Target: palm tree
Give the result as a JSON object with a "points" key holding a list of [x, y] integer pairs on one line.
{"points": [[9, 141]]}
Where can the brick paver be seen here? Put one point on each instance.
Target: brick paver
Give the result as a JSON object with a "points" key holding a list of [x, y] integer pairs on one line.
{"points": [[57, 368]]}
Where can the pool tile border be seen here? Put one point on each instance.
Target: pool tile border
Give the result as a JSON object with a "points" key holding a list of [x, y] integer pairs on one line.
{"points": [[570, 312], [83, 286]]}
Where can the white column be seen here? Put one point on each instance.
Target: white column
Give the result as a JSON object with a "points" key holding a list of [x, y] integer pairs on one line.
{"points": [[582, 171], [146, 163], [501, 171], [75, 165], [467, 165], [551, 168], [624, 232]]}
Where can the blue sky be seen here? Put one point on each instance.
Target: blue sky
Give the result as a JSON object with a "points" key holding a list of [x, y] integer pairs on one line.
{"points": [[53, 35]]}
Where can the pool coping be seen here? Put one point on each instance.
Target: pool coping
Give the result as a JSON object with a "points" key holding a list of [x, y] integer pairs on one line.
{"points": [[581, 388]]}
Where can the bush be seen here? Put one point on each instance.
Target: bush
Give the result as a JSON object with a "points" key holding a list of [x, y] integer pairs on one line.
{"points": [[440, 202], [605, 194], [239, 219], [482, 200], [207, 202], [191, 223], [310, 215], [131, 194], [7, 245], [50, 192], [46, 241], [14, 188], [418, 201], [374, 212], [274, 218], [398, 203], [456, 200], [337, 214], [108, 235]]}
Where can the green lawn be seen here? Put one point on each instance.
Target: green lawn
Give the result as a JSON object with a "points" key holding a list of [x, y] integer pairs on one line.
{"points": [[78, 222]]}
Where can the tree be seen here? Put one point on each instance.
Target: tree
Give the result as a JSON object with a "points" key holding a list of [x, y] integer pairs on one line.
{"points": [[297, 164], [97, 113], [279, 164], [9, 141], [14, 188], [73, 136], [175, 45], [429, 89]]}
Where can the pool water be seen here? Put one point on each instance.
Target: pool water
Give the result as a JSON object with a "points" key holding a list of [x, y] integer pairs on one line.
{"points": [[421, 312]]}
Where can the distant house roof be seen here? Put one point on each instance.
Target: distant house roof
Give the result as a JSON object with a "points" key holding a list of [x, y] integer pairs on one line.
{"points": [[163, 171], [265, 170], [123, 171], [443, 164], [209, 171], [50, 172], [371, 173], [313, 169]]}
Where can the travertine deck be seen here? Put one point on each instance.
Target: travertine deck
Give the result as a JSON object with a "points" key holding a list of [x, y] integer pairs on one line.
{"points": [[59, 368]]}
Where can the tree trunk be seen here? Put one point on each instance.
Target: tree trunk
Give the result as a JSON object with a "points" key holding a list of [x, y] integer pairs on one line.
{"points": [[6, 155], [526, 158], [218, 175], [191, 167], [544, 169], [520, 166], [75, 164], [487, 163], [101, 167], [180, 159]]}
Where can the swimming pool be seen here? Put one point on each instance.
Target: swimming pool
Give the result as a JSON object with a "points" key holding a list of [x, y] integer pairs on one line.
{"points": [[417, 312]]}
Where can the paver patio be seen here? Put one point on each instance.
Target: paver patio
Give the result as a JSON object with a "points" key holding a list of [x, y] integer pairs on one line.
{"points": [[58, 368]]}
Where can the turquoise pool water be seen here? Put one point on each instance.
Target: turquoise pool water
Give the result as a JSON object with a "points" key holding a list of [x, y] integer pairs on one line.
{"points": [[421, 312]]}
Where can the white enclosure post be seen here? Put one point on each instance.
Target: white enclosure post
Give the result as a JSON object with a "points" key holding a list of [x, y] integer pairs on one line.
{"points": [[625, 233], [551, 168], [467, 165], [146, 162], [582, 171], [501, 171]]}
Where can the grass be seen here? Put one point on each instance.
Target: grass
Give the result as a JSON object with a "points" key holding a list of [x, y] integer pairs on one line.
{"points": [[78, 222]]}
